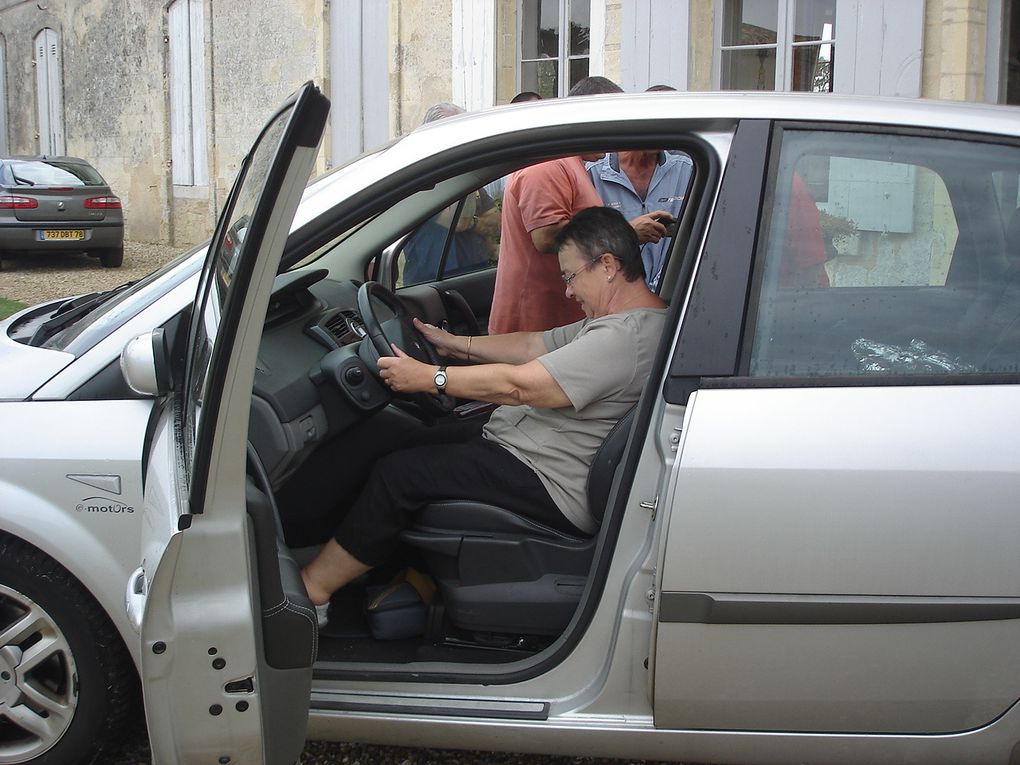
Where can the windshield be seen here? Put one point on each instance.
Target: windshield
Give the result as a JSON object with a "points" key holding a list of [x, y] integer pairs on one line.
{"points": [[225, 254]]}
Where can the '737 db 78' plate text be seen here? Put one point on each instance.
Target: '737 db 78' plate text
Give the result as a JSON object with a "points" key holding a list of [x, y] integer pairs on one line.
{"points": [[71, 233]]}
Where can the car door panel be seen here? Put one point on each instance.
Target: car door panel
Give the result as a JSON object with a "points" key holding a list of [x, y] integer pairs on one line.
{"points": [[428, 302], [840, 551], [766, 505], [215, 585]]}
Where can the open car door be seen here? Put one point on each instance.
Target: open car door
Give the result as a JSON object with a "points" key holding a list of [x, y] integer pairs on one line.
{"points": [[228, 635]]}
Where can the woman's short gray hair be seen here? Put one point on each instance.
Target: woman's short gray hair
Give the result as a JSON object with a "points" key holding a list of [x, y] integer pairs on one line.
{"points": [[440, 111], [598, 230]]}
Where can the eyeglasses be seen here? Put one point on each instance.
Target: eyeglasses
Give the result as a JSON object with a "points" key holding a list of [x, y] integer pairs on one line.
{"points": [[568, 279]]}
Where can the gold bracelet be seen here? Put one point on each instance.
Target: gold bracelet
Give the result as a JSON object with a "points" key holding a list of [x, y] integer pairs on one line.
{"points": [[470, 337]]}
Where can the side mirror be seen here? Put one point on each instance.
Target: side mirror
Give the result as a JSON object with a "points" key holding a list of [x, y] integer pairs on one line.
{"points": [[145, 363]]}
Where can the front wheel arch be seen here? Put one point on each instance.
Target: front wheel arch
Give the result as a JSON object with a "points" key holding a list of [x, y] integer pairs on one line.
{"points": [[77, 701]]}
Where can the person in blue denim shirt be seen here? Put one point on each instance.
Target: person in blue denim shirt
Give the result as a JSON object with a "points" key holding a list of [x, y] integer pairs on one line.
{"points": [[640, 182]]}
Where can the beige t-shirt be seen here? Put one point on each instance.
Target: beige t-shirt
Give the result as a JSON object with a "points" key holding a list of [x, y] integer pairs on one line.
{"points": [[602, 365]]}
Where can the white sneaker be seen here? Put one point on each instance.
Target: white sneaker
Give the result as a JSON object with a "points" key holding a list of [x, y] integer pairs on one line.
{"points": [[322, 615]]}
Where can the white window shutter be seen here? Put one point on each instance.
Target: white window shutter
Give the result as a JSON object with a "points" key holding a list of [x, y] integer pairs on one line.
{"points": [[3, 99], [49, 92], [181, 141], [186, 63], [879, 47], [359, 71], [56, 93], [474, 53], [41, 94], [196, 38], [655, 37]]}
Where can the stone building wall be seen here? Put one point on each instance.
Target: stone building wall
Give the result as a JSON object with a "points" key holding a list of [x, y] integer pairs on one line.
{"points": [[258, 54], [115, 86], [955, 34], [113, 95], [421, 61], [116, 98]]}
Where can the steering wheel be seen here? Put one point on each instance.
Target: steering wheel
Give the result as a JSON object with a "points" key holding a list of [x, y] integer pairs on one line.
{"points": [[399, 330]]}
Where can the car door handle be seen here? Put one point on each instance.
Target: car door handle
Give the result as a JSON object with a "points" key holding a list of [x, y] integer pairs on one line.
{"points": [[134, 598]]}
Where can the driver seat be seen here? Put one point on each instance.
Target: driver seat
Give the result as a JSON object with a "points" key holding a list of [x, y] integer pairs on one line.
{"points": [[503, 573]]}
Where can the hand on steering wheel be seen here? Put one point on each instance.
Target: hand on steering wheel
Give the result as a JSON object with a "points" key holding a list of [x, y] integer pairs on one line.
{"points": [[398, 330]]}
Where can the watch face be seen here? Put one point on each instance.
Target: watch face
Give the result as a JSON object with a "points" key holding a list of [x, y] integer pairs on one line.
{"points": [[440, 379]]}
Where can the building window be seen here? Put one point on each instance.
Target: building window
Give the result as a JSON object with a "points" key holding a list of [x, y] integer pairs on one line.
{"points": [[777, 45], [555, 45], [187, 93], [49, 92]]}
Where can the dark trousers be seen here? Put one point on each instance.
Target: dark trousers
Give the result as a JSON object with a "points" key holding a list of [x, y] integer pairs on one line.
{"points": [[404, 482]]}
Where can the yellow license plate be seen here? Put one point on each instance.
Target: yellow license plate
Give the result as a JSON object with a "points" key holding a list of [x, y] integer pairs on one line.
{"points": [[63, 234]]}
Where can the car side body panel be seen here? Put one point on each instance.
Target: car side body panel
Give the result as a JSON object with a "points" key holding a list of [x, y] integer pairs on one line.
{"points": [[85, 511]]}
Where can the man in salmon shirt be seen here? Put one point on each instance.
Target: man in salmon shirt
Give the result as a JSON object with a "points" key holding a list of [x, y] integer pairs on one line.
{"points": [[539, 201]]}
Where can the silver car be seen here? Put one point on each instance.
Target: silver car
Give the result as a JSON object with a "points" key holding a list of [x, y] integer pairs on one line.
{"points": [[807, 547], [58, 204]]}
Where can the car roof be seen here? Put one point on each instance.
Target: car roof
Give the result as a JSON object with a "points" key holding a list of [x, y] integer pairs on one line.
{"points": [[731, 106], [618, 113]]}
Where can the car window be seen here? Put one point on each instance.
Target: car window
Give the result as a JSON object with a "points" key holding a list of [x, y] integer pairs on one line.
{"points": [[461, 238], [888, 255], [52, 172]]}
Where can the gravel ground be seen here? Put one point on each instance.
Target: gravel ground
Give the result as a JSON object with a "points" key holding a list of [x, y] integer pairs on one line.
{"points": [[136, 752], [34, 280]]}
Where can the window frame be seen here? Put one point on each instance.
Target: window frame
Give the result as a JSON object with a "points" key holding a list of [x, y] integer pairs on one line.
{"points": [[743, 377], [563, 56], [784, 47], [442, 274]]}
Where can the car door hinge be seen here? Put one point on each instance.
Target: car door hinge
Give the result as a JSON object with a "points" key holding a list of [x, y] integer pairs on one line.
{"points": [[652, 505], [674, 438], [650, 597]]}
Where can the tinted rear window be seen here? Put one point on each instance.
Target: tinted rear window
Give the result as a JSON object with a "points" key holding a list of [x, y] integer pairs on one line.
{"points": [[51, 173]]}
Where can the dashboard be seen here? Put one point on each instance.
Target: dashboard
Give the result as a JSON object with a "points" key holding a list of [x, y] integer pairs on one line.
{"points": [[314, 376]]}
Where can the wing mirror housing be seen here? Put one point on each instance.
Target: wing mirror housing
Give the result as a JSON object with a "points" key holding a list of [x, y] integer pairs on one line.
{"points": [[145, 363]]}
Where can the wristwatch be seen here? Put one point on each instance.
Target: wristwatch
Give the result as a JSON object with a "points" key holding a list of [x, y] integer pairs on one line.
{"points": [[440, 379]]}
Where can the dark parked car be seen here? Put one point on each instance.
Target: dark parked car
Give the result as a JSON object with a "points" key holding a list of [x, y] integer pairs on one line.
{"points": [[58, 204]]}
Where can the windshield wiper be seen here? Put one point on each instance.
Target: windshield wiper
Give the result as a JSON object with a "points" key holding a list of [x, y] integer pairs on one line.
{"points": [[23, 181], [71, 310]]}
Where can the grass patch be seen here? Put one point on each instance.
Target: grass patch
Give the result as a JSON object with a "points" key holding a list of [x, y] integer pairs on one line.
{"points": [[7, 307]]}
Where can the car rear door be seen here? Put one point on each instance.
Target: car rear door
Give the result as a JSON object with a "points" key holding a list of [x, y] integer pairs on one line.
{"points": [[228, 636], [840, 547]]}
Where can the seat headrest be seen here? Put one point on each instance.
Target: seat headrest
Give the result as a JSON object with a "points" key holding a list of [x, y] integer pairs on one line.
{"points": [[603, 466]]}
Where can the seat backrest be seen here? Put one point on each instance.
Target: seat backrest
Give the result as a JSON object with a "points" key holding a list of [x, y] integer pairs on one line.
{"points": [[1013, 239], [603, 466]]}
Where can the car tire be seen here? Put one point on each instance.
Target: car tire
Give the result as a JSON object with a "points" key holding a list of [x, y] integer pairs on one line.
{"points": [[112, 257], [77, 699]]}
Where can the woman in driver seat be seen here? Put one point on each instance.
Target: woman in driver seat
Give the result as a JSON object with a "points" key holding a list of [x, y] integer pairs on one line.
{"points": [[561, 392]]}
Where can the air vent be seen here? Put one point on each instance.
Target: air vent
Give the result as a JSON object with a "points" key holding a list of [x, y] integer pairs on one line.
{"points": [[337, 326], [343, 327]]}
